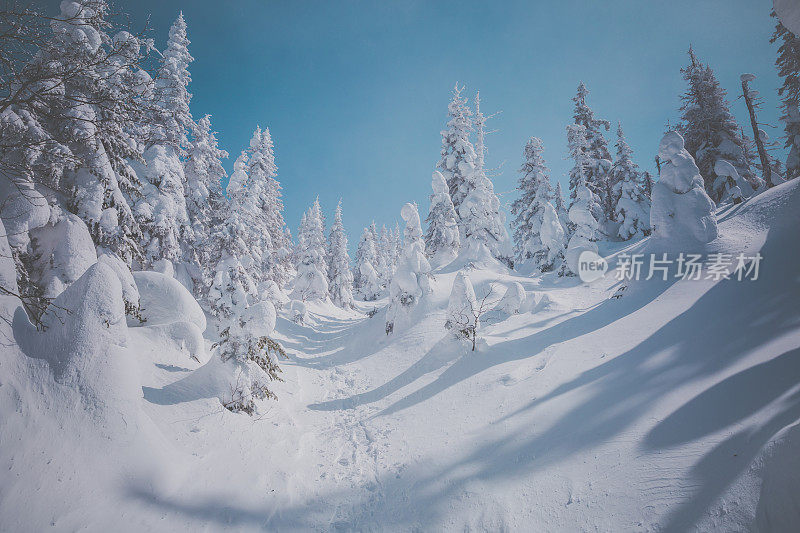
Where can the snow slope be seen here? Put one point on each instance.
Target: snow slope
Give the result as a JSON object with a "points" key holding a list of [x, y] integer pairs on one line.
{"points": [[674, 407]]}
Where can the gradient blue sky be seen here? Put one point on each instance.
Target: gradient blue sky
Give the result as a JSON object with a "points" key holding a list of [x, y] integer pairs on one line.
{"points": [[355, 92]]}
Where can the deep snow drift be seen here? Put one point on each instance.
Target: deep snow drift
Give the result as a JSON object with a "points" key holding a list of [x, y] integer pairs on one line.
{"points": [[672, 407]]}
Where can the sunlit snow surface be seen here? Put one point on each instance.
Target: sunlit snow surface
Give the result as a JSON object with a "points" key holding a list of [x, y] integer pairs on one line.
{"points": [[673, 407]]}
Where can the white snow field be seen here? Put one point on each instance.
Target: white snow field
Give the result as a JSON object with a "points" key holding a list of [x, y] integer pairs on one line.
{"points": [[672, 408]]}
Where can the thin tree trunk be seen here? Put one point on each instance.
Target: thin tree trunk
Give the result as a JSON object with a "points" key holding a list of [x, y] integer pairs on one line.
{"points": [[762, 152]]}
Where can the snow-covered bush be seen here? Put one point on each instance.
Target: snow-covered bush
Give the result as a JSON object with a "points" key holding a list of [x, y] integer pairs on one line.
{"points": [[297, 311], [252, 356], [410, 281], [464, 310], [442, 240], [681, 210], [461, 307]]}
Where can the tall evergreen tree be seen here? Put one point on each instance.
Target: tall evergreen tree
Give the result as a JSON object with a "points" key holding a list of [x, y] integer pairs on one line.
{"points": [[161, 208], [311, 282], [340, 277], [598, 157], [709, 129], [268, 224], [365, 276], [205, 202], [581, 172], [458, 154], [631, 204], [788, 63], [535, 193]]}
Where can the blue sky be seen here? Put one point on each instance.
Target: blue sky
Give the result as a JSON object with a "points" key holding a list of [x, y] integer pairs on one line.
{"points": [[355, 92]]}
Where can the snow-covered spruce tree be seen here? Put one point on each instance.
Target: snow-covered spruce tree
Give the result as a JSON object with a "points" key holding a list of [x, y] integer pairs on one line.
{"points": [[708, 127], [632, 208], [482, 222], [365, 276], [584, 204], [311, 282], [205, 201], [442, 241], [553, 236], [268, 225], [458, 154], [788, 63], [161, 208], [238, 216], [410, 282], [535, 193], [682, 210], [244, 329], [598, 158], [340, 277]]}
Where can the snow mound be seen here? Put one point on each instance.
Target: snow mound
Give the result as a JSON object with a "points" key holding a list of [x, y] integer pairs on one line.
{"points": [[513, 300], [165, 300], [65, 251], [22, 209], [84, 342]]}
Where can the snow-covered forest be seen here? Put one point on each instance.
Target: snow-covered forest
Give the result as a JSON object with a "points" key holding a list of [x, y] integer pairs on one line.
{"points": [[620, 353]]}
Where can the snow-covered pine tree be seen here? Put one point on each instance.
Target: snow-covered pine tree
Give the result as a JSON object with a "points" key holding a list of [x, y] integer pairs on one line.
{"points": [[237, 221], [161, 208], [482, 222], [598, 158], [410, 282], [553, 236], [311, 282], [682, 210], [365, 276], [268, 225], [205, 201], [244, 328], [458, 154], [585, 202], [340, 277], [442, 241], [579, 174], [788, 63], [535, 193], [708, 127], [632, 206]]}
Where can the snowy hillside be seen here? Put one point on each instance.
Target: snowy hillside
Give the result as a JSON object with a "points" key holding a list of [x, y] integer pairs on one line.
{"points": [[673, 407]]}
